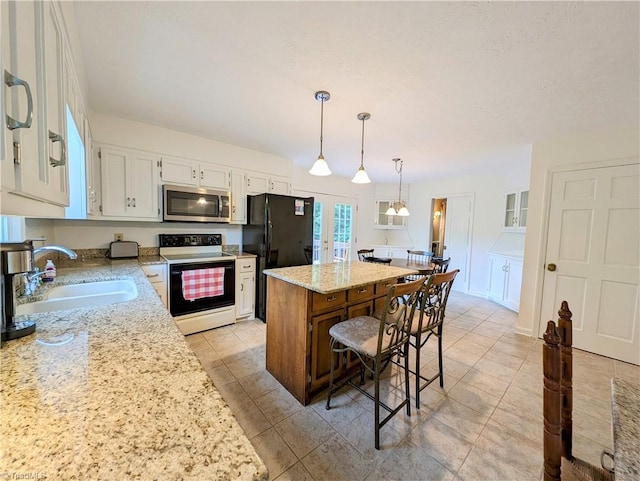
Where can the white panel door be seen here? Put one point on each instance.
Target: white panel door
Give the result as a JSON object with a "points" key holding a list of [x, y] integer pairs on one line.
{"points": [[594, 243], [457, 237]]}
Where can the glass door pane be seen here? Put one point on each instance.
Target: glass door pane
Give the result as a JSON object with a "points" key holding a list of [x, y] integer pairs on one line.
{"points": [[333, 227], [342, 232]]}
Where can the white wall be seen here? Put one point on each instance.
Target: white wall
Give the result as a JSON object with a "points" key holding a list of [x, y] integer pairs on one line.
{"points": [[137, 135], [90, 234], [488, 191], [577, 149]]}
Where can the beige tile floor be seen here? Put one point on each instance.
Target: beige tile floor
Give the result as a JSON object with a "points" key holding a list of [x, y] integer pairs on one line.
{"points": [[486, 424]]}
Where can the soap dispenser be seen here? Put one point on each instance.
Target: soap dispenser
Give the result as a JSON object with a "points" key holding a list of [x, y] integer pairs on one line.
{"points": [[49, 271]]}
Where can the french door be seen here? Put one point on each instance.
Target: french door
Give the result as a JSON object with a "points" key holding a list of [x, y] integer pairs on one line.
{"points": [[333, 227]]}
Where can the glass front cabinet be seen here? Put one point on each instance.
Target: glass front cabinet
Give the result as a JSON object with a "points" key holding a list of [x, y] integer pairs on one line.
{"points": [[515, 212], [384, 221]]}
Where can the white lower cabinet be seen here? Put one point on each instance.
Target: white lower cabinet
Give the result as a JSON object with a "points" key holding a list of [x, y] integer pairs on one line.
{"points": [[245, 287], [157, 276], [389, 251], [505, 280]]}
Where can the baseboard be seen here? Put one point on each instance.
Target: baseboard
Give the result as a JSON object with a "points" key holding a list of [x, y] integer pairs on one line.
{"points": [[524, 331]]}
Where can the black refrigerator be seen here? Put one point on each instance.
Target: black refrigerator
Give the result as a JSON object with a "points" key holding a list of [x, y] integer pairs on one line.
{"points": [[279, 231]]}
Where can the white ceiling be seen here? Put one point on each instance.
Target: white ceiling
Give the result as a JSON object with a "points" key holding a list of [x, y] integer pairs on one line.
{"points": [[452, 87]]}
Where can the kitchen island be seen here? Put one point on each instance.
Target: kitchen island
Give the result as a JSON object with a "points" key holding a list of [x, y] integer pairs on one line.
{"points": [[115, 392], [303, 302]]}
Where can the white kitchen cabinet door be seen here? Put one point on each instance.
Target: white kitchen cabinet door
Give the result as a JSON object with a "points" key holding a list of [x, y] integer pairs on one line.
{"points": [[238, 197], [25, 170], [279, 185], [179, 171], [129, 184], [245, 288], [215, 177], [257, 183], [156, 274], [55, 145], [515, 211], [505, 279], [7, 170], [384, 221]]}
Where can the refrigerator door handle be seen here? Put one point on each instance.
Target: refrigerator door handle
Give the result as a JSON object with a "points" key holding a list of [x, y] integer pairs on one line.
{"points": [[269, 232]]}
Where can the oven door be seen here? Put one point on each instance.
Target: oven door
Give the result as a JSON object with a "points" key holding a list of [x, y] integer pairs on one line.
{"points": [[179, 306]]}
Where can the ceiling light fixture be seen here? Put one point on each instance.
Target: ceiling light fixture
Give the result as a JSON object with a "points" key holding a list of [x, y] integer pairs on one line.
{"points": [[361, 176], [320, 167], [400, 207]]}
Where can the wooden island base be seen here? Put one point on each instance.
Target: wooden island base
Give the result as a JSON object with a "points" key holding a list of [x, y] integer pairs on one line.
{"points": [[299, 319]]}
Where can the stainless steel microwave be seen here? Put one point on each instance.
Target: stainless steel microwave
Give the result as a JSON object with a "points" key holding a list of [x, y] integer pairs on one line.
{"points": [[195, 204]]}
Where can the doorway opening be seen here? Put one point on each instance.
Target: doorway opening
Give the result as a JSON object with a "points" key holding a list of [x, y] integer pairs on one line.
{"points": [[438, 216]]}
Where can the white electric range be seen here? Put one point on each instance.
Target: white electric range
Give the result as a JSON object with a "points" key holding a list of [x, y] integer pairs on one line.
{"points": [[192, 256]]}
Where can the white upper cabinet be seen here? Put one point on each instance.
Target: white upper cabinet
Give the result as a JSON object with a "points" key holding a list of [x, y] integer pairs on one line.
{"points": [[384, 221], [191, 172], [129, 184], [238, 197], [515, 212], [260, 183], [35, 150]]}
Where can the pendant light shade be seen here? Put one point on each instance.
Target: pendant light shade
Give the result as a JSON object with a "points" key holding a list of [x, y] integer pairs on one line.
{"points": [[398, 208], [320, 166], [361, 176]]}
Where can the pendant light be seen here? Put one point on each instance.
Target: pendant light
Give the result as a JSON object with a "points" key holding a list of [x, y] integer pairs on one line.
{"points": [[361, 176], [320, 167], [401, 205]]}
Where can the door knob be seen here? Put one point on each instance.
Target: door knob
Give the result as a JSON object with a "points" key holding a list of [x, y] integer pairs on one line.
{"points": [[551, 267]]}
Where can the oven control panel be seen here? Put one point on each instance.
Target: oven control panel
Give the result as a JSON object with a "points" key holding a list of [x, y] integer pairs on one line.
{"points": [[190, 240]]}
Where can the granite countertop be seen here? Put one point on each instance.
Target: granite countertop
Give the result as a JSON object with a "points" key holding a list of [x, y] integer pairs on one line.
{"points": [[337, 276], [243, 255], [115, 392], [626, 429]]}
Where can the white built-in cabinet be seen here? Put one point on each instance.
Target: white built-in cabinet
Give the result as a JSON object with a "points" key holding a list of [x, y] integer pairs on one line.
{"points": [[389, 250], [245, 287], [505, 279], [384, 221], [515, 212], [33, 44], [189, 172], [238, 197], [259, 183], [129, 184]]}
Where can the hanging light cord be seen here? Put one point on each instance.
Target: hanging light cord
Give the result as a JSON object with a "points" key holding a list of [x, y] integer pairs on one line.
{"points": [[400, 172], [321, 123], [362, 147]]}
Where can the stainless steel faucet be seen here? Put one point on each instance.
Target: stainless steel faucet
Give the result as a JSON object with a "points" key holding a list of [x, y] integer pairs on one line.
{"points": [[63, 249]]}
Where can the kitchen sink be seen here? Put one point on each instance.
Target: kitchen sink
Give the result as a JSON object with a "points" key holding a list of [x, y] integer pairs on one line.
{"points": [[86, 294]]}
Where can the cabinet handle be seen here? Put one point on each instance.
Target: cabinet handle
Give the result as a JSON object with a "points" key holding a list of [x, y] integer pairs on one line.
{"points": [[233, 209], [11, 81], [363, 290], [201, 175], [128, 201], [193, 173], [134, 201], [241, 287], [332, 298], [246, 267], [248, 182], [53, 137], [149, 276]]}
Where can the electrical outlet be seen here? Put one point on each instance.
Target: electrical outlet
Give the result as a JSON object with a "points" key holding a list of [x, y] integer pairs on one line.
{"points": [[118, 237]]}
